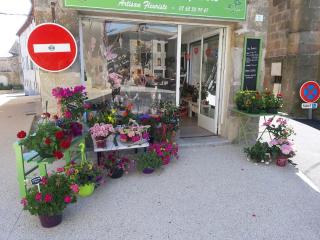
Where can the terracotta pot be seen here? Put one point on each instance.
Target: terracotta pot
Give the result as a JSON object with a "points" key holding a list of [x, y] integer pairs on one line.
{"points": [[101, 142], [282, 161], [50, 221]]}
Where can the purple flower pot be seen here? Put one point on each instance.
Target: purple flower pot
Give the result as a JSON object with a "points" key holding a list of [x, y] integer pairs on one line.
{"points": [[148, 170], [50, 221]]}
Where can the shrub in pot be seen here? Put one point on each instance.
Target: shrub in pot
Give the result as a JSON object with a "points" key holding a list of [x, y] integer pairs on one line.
{"points": [[249, 101], [148, 162], [48, 140], [48, 201], [258, 152], [116, 166], [271, 102], [165, 150], [86, 175]]}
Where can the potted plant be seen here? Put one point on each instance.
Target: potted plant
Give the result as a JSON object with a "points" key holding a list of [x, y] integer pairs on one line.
{"points": [[148, 162], [281, 150], [48, 140], [49, 200], [85, 175], [281, 146], [133, 133], [116, 166], [249, 101], [71, 102], [100, 133], [258, 152], [272, 103], [165, 150]]}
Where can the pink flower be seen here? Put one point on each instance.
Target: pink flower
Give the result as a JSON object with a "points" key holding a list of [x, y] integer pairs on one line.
{"points": [[60, 170], [109, 55], [48, 198], [38, 197], [68, 114], [74, 188], [87, 105], [67, 199], [44, 181], [286, 149], [24, 202], [274, 142]]}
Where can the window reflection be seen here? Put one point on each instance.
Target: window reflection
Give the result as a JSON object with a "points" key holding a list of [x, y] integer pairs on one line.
{"points": [[138, 60]]}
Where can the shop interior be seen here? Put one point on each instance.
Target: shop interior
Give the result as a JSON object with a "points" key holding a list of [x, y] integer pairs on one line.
{"points": [[140, 61]]}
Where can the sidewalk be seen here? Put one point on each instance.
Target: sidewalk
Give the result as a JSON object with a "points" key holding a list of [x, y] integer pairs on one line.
{"points": [[209, 193]]}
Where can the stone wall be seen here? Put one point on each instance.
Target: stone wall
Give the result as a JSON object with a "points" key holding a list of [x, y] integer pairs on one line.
{"points": [[69, 19], [10, 70], [294, 33], [249, 28]]}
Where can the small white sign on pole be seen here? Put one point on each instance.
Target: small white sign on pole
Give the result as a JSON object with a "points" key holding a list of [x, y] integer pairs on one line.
{"points": [[309, 105]]}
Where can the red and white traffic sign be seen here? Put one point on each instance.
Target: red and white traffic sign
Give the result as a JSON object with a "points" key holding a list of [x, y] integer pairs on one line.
{"points": [[52, 47], [310, 92]]}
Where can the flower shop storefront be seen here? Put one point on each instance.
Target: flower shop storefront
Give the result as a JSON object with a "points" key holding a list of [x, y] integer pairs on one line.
{"points": [[133, 56]]}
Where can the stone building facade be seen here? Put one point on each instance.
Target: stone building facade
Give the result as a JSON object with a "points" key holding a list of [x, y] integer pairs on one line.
{"points": [[48, 11], [10, 71], [293, 41]]}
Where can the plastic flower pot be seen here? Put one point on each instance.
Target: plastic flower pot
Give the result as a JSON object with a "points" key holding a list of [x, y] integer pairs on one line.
{"points": [[148, 170], [282, 161], [116, 173], [101, 142], [50, 221], [86, 190]]}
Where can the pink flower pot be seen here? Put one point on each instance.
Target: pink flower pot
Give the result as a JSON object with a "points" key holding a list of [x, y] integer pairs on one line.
{"points": [[282, 161], [101, 142]]}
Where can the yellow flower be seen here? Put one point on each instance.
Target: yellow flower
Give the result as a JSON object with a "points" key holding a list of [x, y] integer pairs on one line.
{"points": [[89, 166], [76, 171], [113, 111]]}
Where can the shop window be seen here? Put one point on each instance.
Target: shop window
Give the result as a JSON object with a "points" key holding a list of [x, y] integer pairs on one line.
{"points": [[133, 59]]}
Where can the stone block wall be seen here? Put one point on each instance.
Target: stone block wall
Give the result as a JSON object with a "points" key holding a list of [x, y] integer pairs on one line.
{"points": [[69, 19], [293, 40]]}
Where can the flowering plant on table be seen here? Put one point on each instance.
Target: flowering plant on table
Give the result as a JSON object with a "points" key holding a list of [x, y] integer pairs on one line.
{"points": [[134, 134], [100, 132], [52, 197], [165, 151], [48, 140]]}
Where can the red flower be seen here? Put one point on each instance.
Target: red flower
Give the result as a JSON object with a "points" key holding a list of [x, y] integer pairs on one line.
{"points": [[59, 135], [60, 170], [48, 198], [38, 197], [21, 134], [45, 115], [55, 117], [279, 95], [47, 141], [24, 202], [44, 181], [67, 199], [65, 144], [58, 154]]}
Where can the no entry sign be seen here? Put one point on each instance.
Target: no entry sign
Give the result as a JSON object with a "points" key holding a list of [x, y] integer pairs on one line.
{"points": [[310, 92], [52, 47]]}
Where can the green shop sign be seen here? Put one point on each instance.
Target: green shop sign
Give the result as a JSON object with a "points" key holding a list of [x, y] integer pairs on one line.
{"points": [[223, 9]]}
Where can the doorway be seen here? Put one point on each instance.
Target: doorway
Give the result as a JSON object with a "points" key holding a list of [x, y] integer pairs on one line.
{"points": [[200, 90]]}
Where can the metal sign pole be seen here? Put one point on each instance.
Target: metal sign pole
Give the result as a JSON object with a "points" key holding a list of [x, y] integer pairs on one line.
{"points": [[310, 111]]}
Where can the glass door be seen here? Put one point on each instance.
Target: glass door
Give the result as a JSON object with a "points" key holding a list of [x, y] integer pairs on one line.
{"points": [[210, 67]]}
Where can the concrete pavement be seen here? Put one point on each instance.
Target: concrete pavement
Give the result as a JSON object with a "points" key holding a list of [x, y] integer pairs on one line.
{"points": [[209, 193]]}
